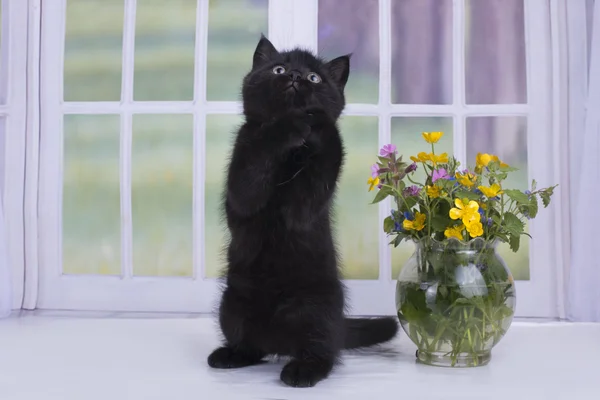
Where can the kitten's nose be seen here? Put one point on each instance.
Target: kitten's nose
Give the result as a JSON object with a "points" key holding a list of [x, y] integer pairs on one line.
{"points": [[295, 75]]}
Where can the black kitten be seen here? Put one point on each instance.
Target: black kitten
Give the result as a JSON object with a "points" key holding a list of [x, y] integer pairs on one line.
{"points": [[283, 294]]}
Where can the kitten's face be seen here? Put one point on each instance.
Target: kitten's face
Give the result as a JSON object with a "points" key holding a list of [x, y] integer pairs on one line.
{"points": [[294, 79]]}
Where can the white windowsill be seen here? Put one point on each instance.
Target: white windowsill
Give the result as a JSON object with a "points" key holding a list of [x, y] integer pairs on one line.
{"points": [[57, 357]]}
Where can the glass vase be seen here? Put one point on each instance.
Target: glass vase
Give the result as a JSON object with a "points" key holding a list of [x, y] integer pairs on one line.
{"points": [[455, 300]]}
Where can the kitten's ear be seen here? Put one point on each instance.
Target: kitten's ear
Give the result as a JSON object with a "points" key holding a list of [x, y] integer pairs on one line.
{"points": [[264, 52], [339, 70]]}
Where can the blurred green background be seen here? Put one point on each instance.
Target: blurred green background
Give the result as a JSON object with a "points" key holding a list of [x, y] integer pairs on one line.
{"points": [[162, 146]]}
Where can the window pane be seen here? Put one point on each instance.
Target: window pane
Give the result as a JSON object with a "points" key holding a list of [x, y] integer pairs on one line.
{"points": [[352, 26], [422, 52], [93, 43], [357, 221], [507, 138], [495, 52], [234, 30], [161, 198], [91, 196], [220, 134], [164, 50], [406, 135]]}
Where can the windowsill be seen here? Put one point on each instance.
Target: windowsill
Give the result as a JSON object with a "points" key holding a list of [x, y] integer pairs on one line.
{"points": [[54, 357]]}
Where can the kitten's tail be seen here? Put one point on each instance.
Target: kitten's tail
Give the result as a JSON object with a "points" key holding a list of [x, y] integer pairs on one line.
{"points": [[365, 332]]}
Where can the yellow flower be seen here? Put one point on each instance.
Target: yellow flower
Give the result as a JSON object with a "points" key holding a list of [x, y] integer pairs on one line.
{"points": [[467, 179], [454, 231], [424, 157], [466, 210], [417, 224], [434, 158], [475, 229], [372, 182], [433, 191], [441, 159], [432, 137], [483, 159], [491, 191]]}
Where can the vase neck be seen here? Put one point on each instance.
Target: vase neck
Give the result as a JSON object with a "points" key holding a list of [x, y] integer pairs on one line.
{"points": [[477, 244]]}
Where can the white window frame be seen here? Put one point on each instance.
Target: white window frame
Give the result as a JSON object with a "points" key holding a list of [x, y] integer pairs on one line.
{"points": [[291, 23], [14, 60]]}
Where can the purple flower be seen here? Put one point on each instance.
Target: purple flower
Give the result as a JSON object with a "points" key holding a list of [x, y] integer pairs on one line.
{"points": [[374, 170], [411, 191], [485, 220], [412, 167], [439, 174], [388, 150], [408, 215]]}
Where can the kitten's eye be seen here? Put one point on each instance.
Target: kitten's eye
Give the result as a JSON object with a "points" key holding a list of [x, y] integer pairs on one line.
{"points": [[279, 70], [314, 78]]}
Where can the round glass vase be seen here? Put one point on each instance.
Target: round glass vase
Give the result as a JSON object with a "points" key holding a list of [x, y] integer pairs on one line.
{"points": [[455, 301]]}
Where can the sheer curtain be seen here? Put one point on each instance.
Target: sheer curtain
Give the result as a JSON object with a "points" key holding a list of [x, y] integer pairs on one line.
{"points": [[584, 142]]}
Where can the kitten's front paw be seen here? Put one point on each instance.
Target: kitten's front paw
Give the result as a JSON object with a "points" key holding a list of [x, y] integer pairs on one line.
{"points": [[294, 129], [316, 116], [300, 373], [226, 358]]}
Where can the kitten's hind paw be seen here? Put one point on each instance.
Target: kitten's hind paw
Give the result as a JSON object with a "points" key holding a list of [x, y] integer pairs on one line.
{"points": [[301, 373], [226, 358]]}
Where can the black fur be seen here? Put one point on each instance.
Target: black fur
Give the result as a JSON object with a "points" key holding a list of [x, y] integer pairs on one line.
{"points": [[283, 293]]}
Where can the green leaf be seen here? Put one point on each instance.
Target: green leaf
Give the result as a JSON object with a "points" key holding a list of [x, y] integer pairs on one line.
{"points": [[502, 237], [415, 306], [513, 224], [504, 312], [443, 290], [388, 224], [461, 194], [440, 222], [508, 169], [384, 192], [533, 207], [502, 176], [533, 185], [399, 238], [514, 242], [384, 160], [408, 203], [546, 194], [517, 196]]}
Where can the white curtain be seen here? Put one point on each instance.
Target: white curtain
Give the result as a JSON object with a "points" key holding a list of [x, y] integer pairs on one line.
{"points": [[5, 281], [584, 141]]}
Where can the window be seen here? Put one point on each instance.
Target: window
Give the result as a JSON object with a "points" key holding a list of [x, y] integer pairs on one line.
{"points": [[140, 100]]}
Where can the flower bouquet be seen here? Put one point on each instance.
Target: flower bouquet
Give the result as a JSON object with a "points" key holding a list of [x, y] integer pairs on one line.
{"points": [[455, 296]]}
